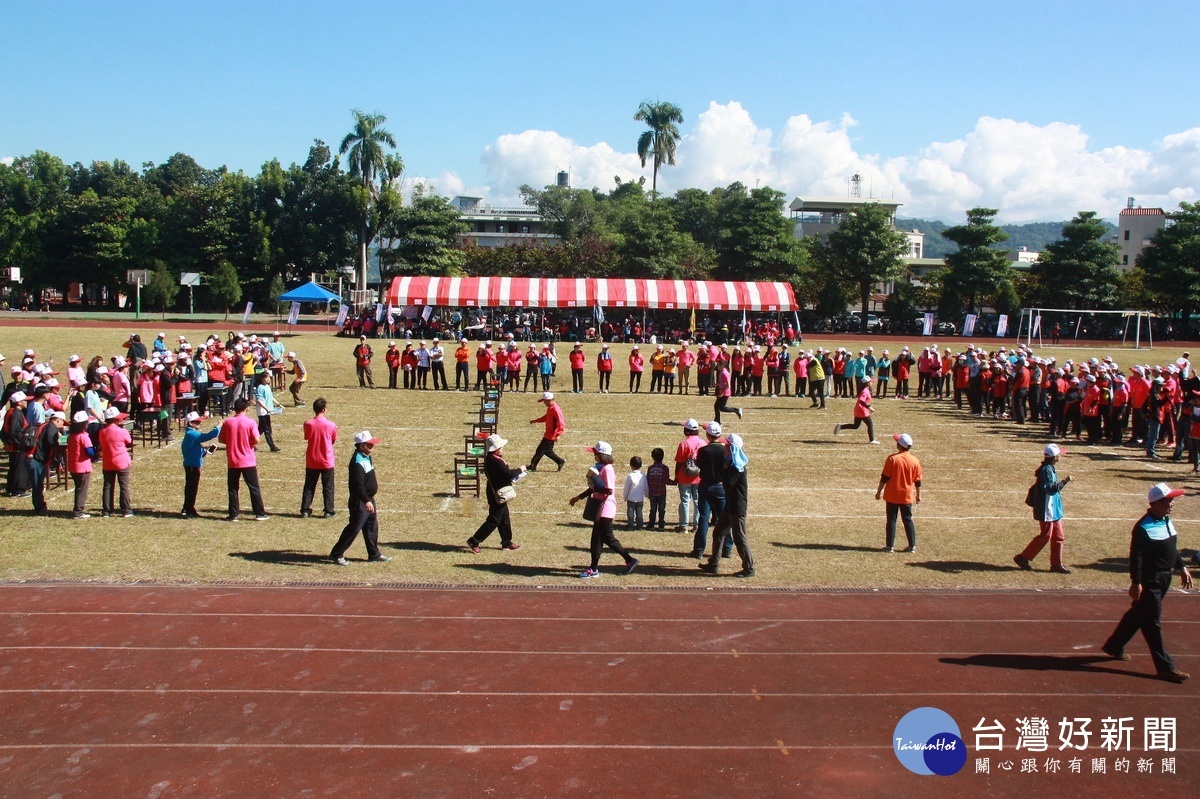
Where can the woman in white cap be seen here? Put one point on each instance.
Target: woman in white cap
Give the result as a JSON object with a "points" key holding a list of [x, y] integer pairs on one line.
{"points": [[602, 483], [1048, 511], [364, 485], [499, 475], [80, 452], [194, 453]]}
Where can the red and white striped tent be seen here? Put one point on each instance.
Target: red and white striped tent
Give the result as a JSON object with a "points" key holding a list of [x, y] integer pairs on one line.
{"points": [[531, 292]]}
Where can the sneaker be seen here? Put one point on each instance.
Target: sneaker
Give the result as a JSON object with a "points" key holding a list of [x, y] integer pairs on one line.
{"points": [[888, 549], [744, 573], [909, 550], [329, 514], [262, 517], [837, 429], [1174, 675], [231, 518], [511, 545], [695, 554], [631, 565], [1022, 562], [1114, 654], [708, 566], [1060, 570], [564, 463], [305, 514], [738, 411], [379, 559], [82, 516], [531, 468], [872, 441], [276, 449], [588, 574], [340, 561], [128, 515], [472, 547]]}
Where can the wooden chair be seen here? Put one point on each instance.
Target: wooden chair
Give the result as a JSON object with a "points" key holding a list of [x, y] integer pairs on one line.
{"points": [[485, 426], [467, 476], [473, 447]]}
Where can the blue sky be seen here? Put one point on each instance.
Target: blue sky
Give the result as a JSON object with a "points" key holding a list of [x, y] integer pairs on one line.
{"points": [[1039, 109]]}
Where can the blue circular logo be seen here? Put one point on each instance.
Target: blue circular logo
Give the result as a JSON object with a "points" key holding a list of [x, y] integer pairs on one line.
{"points": [[927, 741]]}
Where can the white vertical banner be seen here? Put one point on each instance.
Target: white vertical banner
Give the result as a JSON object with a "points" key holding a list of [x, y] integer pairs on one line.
{"points": [[246, 315], [294, 313], [342, 313], [927, 325], [969, 325], [379, 311], [426, 312], [1037, 325], [1002, 325]]}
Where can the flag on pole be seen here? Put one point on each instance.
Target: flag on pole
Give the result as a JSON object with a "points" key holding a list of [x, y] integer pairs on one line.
{"points": [[246, 315], [294, 313], [969, 325], [1002, 325], [692, 323], [1037, 325]]}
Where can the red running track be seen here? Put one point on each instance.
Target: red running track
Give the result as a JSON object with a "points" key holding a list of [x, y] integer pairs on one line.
{"points": [[132, 691]]}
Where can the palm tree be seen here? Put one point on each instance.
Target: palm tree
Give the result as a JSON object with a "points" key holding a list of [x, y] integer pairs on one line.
{"points": [[660, 139], [367, 160]]}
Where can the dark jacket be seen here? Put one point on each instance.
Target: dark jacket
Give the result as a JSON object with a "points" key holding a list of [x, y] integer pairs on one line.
{"points": [[711, 460], [737, 493], [363, 483], [499, 474]]}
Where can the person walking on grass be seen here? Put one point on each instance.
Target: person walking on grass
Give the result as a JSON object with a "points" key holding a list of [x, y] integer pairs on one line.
{"points": [[364, 485], [602, 483], [732, 521], [556, 425], [900, 487], [239, 435], [1153, 557], [1048, 511], [321, 435], [499, 475], [862, 413], [194, 453], [264, 402]]}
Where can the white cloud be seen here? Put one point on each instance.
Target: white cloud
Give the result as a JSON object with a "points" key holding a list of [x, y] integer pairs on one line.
{"points": [[7, 160], [1029, 172]]}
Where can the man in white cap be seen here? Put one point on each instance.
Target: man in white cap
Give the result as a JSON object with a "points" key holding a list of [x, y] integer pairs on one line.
{"points": [[711, 489], [1153, 557], [80, 451], [14, 435], [900, 488], [556, 425], [299, 378], [362, 363], [437, 365], [364, 485], [1048, 511], [732, 522], [115, 442], [194, 453]]}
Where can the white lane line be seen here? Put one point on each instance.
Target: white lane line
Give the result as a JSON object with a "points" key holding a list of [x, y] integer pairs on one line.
{"points": [[477, 652], [588, 694]]}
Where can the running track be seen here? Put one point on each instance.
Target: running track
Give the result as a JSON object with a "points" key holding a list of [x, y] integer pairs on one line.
{"points": [[293, 691]]}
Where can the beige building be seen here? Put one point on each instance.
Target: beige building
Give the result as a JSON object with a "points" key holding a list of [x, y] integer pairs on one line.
{"points": [[1136, 227]]}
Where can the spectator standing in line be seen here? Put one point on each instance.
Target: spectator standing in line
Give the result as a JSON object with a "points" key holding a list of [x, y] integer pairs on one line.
{"points": [[321, 435], [900, 487], [636, 365], [392, 358], [80, 452], [115, 442], [604, 367], [578, 358], [658, 477], [1048, 511], [1153, 557], [40, 457], [18, 454], [732, 522], [364, 518], [556, 425], [437, 365], [362, 363], [239, 435], [634, 494], [462, 366], [687, 476], [194, 453]]}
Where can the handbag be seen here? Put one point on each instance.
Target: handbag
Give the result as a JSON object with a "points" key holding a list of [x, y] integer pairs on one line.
{"points": [[592, 509], [691, 468], [505, 494]]}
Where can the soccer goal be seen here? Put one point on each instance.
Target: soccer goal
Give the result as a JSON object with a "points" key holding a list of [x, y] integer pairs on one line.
{"points": [[1070, 326]]}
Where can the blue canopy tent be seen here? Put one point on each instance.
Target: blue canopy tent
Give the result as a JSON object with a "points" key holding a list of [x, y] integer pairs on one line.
{"points": [[309, 292]]}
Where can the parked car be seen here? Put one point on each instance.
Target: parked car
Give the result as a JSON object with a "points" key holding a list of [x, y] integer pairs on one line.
{"points": [[945, 329]]}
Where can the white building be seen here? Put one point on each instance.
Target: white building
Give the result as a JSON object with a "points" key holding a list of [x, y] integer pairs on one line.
{"points": [[1136, 227], [498, 227]]}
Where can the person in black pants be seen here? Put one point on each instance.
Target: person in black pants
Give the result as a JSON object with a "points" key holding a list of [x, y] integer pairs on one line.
{"points": [[1153, 556], [499, 475], [732, 522], [711, 504], [364, 485]]}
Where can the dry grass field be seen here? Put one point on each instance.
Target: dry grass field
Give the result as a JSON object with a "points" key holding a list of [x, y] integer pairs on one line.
{"points": [[813, 517]]}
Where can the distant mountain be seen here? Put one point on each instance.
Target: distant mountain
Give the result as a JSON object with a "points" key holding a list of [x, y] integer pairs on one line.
{"points": [[1033, 236]]}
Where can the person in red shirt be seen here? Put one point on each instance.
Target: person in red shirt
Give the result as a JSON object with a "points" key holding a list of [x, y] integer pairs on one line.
{"points": [[604, 367], [462, 368], [689, 484], [862, 413], [362, 362], [684, 360], [556, 425], [80, 452], [408, 365], [636, 365], [321, 435], [485, 361], [239, 435], [392, 357], [578, 358], [115, 442]]}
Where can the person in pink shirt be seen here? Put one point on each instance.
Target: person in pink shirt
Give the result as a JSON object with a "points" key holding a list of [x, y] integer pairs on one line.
{"points": [[602, 485], [862, 413], [239, 434], [321, 435], [120, 384], [684, 360], [115, 442], [79, 462], [636, 365], [689, 484]]}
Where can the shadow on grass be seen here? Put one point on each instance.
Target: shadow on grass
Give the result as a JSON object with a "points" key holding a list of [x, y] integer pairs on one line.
{"points": [[1079, 663], [820, 442], [960, 566], [424, 546], [282, 557], [826, 547], [1114, 565], [638, 552], [516, 570]]}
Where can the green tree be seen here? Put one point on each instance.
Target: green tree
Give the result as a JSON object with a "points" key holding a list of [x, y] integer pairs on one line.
{"points": [[1171, 264], [162, 289], [901, 305], [1079, 270], [755, 240], [421, 238], [976, 268], [660, 140], [368, 163], [865, 249], [225, 285], [275, 290]]}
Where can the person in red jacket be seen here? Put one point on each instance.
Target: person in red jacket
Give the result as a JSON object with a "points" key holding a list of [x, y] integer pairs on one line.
{"points": [[392, 357], [636, 365], [604, 367], [578, 358], [556, 425]]}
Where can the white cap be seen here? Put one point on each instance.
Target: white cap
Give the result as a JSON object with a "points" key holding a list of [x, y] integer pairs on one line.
{"points": [[1052, 451], [80, 416], [17, 396], [192, 417], [111, 412], [365, 437], [290, 355], [546, 396], [58, 415], [603, 447], [1163, 491], [713, 429], [903, 439], [691, 424], [75, 359]]}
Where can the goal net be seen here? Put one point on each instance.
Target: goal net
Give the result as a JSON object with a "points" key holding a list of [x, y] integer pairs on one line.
{"points": [[1059, 324]]}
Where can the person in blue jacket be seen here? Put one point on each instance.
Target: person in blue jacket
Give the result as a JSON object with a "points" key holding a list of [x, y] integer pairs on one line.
{"points": [[194, 453], [1048, 510]]}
